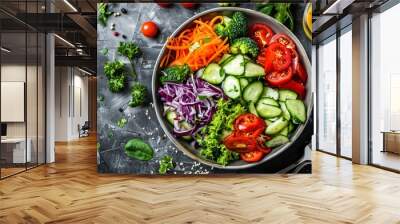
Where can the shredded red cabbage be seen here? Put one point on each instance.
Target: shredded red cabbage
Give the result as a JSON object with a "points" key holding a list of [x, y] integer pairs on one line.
{"points": [[193, 101]]}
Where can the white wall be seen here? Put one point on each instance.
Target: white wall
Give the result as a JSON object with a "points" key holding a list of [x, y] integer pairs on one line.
{"points": [[70, 83]]}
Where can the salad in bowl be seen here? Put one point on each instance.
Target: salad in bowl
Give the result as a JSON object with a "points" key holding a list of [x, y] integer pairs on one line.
{"points": [[230, 88]]}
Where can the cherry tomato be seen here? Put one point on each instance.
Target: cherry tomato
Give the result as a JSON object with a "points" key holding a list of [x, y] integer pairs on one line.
{"points": [[295, 58], [164, 4], [283, 39], [240, 143], [188, 5], [296, 87], [301, 73], [279, 78], [248, 123], [278, 58], [261, 33], [251, 157], [149, 29]]}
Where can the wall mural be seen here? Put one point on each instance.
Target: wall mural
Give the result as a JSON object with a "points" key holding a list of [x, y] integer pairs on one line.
{"points": [[206, 88]]}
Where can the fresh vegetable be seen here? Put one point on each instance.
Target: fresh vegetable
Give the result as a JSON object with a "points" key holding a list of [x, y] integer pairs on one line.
{"points": [[129, 50], [149, 29], [235, 66], [284, 40], [301, 74], [188, 5], [261, 33], [285, 94], [253, 70], [213, 74], [209, 138], [280, 11], [104, 13], [297, 110], [270, 93], [253, 92], [251, 157], [277, 141], [276, 78], [115, 72], [244, 45], [276, 126], [240, 143], [122, 122], [137, 149], [166, 164], [197, 46], [193, 102], [266, 110], [231, 87], [177, 73], [296, 87], [138, 95], [234, 27], [249, 122], [278, 58]]}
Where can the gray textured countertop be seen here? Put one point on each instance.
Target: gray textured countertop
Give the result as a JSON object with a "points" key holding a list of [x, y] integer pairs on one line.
{"points": [[142, 121]]}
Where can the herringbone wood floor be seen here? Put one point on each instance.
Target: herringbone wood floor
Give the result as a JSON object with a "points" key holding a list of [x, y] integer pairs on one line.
{"points": [[71, 191]]}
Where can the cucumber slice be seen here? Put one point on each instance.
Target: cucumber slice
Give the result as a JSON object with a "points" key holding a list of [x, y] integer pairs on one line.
{"points": [[291, 127], [253, 70], [171, 115], [252, 108], [199, 72], [231, 87], [274, 119], [285, 94], [276, 126], [235, 66], [224, 58], [243, 83], [253, 91], [213, 74], [285, 112], [268, 122], [297, 110], [271, 93], [277, 141], [266, 110], [269, 101], [285, 131]]}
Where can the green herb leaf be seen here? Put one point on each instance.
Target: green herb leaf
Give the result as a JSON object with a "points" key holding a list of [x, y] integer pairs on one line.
{"points": [[166, 164], [122, 122], [138, 149], [103, 13]]}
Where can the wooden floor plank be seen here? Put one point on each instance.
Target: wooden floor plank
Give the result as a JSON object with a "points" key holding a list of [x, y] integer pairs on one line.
{"points": [[71, 191]]}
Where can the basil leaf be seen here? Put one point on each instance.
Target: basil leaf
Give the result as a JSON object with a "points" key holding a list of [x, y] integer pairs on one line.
{"points": [[138, 149]]}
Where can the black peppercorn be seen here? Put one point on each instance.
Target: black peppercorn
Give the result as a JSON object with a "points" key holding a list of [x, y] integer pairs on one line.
{"points": [[124, 11]]}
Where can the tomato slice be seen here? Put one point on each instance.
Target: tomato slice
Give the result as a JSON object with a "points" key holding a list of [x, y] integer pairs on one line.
{"points": [[252, 157], [296, 87], [301, 73], [284, 40], [295, 58], [240, 143], [248, 123], [279, 78], [261, 33], [278, 57]]}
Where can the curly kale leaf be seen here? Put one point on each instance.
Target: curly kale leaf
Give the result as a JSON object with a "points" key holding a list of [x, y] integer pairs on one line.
{"points": [[166, 164], [177, 73], [104, 13], [115, 72], [138, 95]]}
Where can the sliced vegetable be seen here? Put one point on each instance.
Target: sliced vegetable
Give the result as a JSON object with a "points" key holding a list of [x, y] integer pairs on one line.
{"points": [[252, 108], [269, 101], [279, 78], [277, 141], [266, 110], [253, 92], [253, 70], [296, 87], [285, 94], [224, 59], [283, 39], [297, 110], [248, 123], [276, 126], [278, 57], [252, 157], [243, 83], [270, 92], [261, 33], [285, 131], [285, 112], [213, 74], [235, 66], [231, 87]]}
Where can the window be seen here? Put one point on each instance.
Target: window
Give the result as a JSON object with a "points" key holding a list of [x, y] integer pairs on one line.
{"points": [[326, 139]]}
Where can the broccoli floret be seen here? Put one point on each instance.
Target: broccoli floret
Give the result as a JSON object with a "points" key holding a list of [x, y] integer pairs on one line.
{"points": [[128, 49], [115, 72], [138, 94], [177, 73], [234, 27], [245, 45]]}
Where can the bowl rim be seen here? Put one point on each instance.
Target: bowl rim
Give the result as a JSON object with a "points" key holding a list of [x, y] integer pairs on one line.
{"points": [[276, 151]]}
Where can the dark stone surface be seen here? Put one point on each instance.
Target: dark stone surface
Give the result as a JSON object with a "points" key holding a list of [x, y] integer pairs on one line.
{"points": [[142, 121]]}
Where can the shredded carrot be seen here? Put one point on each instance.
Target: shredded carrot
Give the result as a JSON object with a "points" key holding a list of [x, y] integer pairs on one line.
{"points": [[197, 46]]}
